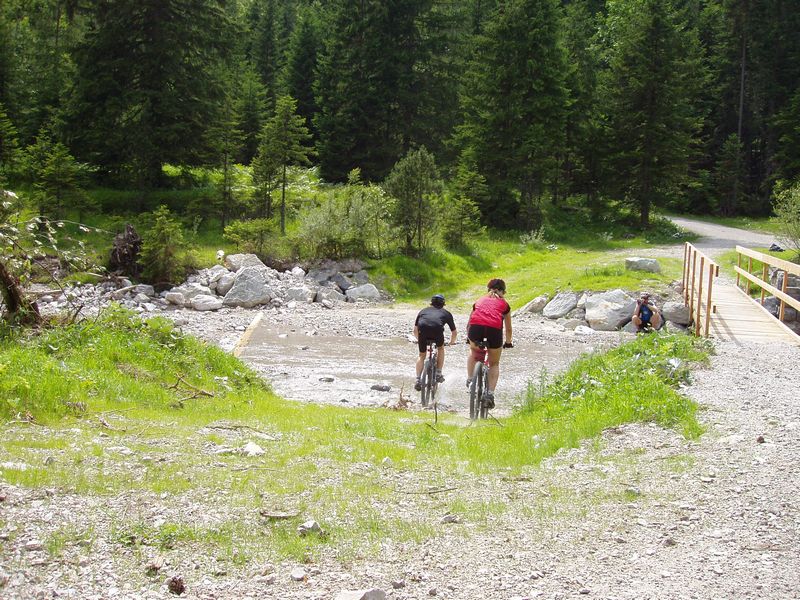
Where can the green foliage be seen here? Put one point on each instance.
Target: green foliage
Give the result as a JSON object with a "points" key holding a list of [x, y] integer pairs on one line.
{"points": [[413, 184], [787, 214], [730, 176], [117, 361], [459, 219], [251, 236], [635, 382], [58, 180], [9, 147], [348, 220], [648, 92], [515, 108], [282, 145], [149, 85], [163, 248]]}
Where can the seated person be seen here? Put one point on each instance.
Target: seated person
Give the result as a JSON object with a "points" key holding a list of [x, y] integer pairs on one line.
{"points": [[646, 315]]}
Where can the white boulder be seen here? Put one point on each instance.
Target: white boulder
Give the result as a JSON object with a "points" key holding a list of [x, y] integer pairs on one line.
{"points": [[559, 306], [677, 312], [237, 262], [366, 291], [610, 310], [642, 264], [203, 302]]}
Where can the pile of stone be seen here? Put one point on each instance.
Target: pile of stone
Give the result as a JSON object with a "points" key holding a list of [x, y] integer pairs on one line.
{"points": [[586, 312], [773, 303], [241, 281], [601, 311]]}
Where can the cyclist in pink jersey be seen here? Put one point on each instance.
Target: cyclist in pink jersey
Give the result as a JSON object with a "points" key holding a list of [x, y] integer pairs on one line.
{"points": [[490, 315]]}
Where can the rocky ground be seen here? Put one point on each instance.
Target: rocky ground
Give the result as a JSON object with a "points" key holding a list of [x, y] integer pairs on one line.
{"points": [[643, 513]]}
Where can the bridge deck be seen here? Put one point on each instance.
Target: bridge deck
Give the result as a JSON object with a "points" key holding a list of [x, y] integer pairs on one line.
{"points": [[739, 319]]}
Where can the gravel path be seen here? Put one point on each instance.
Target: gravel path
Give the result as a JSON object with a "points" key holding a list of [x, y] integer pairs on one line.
{"points": [[641, 513]]}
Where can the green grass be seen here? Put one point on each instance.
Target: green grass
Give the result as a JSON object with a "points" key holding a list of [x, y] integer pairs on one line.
{"points": [[323, 461], [528, 272]]}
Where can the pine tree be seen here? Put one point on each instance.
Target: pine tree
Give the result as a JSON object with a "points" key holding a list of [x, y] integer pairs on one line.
{"points": [[283, 144], [301, 66], [365, 86], [649, 92], [413, 183], [9, 147], [148, 84], [251, 109], [514, 104]]}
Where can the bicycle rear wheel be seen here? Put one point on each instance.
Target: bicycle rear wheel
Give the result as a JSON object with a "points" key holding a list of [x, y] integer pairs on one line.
{"points": [[433, 384], [476, 392], [484, 412]]}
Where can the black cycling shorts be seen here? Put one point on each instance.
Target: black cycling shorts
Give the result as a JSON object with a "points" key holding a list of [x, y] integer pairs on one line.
{"points": [[435, 334], [494, 336]]}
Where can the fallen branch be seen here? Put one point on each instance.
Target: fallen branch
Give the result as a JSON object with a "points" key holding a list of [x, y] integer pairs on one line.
{"points": [[434, 428], [433, 491], [196, 391]]}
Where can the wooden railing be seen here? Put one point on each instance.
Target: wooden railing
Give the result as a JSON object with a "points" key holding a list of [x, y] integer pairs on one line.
{"points": [[697, 269], [766, 261]]}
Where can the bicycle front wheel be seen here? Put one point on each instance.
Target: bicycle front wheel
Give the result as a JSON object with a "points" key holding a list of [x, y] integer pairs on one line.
{"points": [[426, 384], [476, 391]]}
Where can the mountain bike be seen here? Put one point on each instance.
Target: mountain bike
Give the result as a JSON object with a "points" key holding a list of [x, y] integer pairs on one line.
{"points": [[479, 384], [428, 376]]}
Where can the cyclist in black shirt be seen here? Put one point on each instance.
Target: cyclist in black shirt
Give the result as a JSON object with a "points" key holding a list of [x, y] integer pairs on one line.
{"points": [[429, 325]]}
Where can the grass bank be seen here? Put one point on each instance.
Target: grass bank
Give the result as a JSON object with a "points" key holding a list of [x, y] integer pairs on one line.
{"points": [[135, 409]]}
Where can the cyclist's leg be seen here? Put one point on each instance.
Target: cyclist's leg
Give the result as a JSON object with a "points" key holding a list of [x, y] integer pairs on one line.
{"points": [[420, 362]]}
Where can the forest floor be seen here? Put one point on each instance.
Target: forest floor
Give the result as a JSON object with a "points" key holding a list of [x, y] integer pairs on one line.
{"points": [[639, 513]]}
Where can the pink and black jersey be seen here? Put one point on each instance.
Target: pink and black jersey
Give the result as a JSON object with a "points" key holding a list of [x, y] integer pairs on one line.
{"points": [[489, 311]]}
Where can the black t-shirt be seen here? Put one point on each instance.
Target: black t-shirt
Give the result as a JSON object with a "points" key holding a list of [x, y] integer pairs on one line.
{"points": [[433, 318]]}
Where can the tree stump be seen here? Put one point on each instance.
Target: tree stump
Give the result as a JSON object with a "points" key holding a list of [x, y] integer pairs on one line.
{"points": [[125, 252]]}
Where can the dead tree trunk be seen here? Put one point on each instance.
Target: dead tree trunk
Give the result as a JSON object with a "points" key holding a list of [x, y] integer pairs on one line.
{"points": [[19, 308]]}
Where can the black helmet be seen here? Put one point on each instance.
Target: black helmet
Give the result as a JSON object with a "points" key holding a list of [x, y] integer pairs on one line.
{"points": [[437, 301], [496, 284]]}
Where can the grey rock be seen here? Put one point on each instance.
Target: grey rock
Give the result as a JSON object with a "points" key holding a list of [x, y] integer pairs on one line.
{"points": [[321, 275], [560, 305], [252, 449], [366, 291], [610, 310], [298, 574], [214, 274], [381, 387], [534, 306], [361, 277], [225, 283], [327, 304], [253, 286], [145, 289], [342, 281], [301, 294], [310, 526], [190, 290], [630, 328], [203, 302], [649, 265], [174, 297], [237, 262], [583, 330], [141, 298], [572, 324], [677, 313], [329, 294], [582, 301], [298, 272]]}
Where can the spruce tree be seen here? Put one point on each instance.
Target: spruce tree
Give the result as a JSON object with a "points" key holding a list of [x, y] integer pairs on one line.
{"points": [[148, 84], [649, 94], [514, 108], [301, 66], [283, 144]]}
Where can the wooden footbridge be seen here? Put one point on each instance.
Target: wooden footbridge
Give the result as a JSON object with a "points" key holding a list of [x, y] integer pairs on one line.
{"points": [[728, 312]]}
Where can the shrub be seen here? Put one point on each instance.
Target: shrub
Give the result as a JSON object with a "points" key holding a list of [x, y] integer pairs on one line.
{"points": [[163, 248], [787, 211], [251, 236]]}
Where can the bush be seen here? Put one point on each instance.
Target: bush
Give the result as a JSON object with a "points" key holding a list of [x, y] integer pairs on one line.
{"points": [[164, 250], [350, 221], [787, 211], [251, 236]]}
